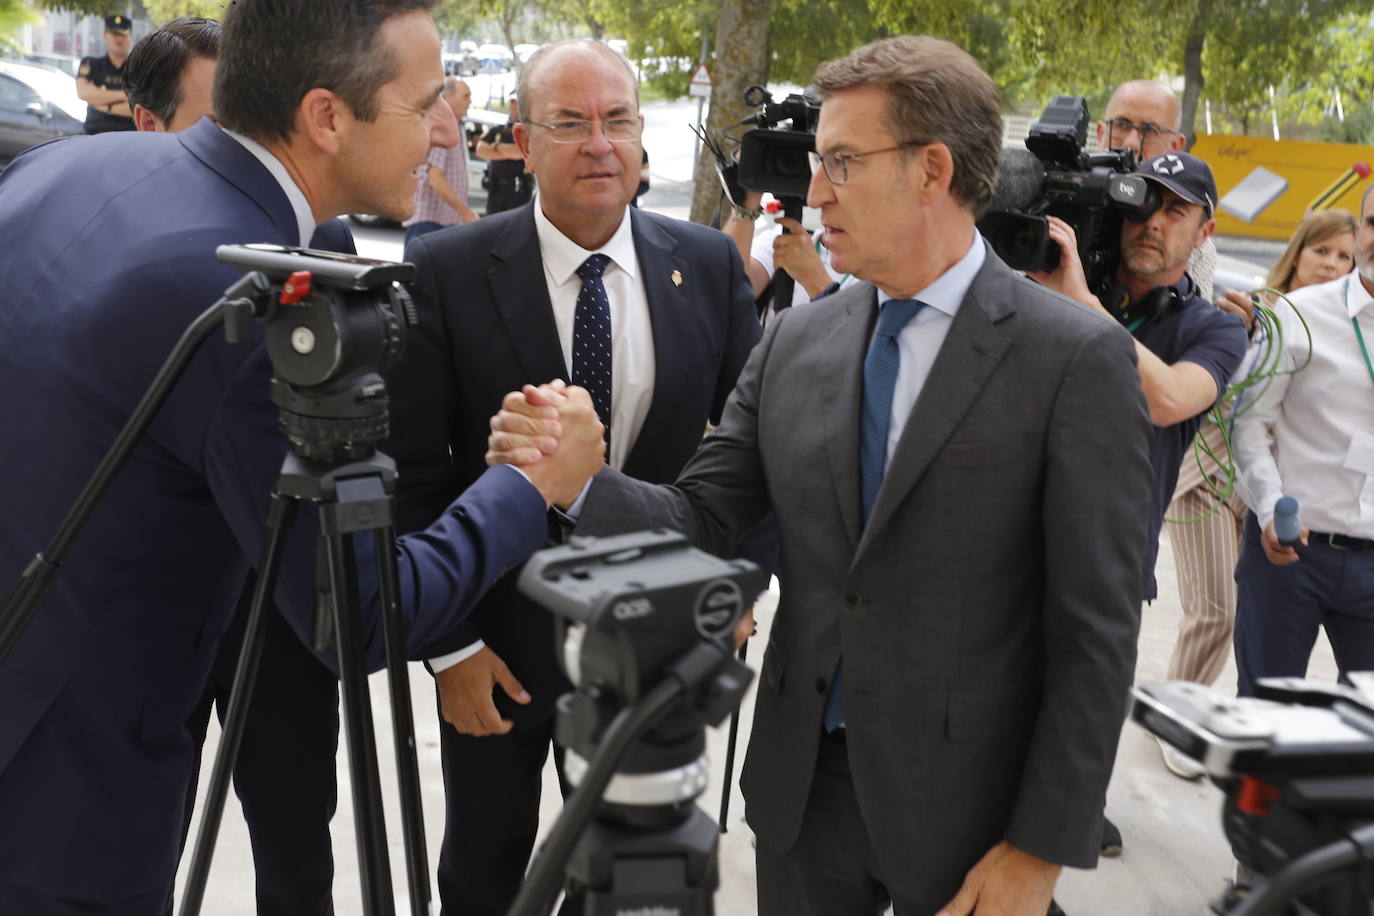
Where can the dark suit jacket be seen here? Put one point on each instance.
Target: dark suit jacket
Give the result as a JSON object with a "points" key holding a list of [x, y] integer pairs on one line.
{"points": [[487, 328], [987, 613], [108, 255]]}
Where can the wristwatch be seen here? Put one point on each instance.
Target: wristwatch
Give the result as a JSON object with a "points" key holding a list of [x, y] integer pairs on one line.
{"points": [[744, 214]]}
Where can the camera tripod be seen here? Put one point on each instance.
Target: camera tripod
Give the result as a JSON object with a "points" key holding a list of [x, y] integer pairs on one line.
{"points": [[334, 412], [352, 498]]}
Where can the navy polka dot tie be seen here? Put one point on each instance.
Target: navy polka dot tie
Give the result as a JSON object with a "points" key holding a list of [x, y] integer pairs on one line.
{"points": [[591, 352]]}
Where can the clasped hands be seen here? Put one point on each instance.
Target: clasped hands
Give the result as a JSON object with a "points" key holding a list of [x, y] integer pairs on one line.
{"points": [[553, 435]]}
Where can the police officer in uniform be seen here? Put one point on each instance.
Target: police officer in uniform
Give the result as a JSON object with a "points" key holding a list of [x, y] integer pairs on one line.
{"points": [[100, 81], [507, 183]]}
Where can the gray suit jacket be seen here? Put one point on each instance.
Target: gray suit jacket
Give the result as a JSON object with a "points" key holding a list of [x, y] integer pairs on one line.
{"points": [[988, 612]]}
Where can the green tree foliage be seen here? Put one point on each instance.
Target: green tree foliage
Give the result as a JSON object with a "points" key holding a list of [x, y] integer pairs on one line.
{"points": [[160, 11], [13, 15]]}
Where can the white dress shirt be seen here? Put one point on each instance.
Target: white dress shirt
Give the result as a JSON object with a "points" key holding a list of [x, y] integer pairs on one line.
{"points": [[1311, 434], [920, 341], [632, 340], [305, 217]]}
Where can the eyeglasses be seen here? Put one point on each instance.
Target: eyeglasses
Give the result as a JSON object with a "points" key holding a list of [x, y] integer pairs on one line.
{"points": [[1121, 127], [836, 165], [578, 130]]}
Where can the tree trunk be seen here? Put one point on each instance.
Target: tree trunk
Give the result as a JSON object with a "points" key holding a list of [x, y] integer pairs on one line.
{"points": [[1192, 69], [740, 61]]}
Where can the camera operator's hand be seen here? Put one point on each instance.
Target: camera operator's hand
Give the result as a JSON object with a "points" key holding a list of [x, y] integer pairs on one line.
{"points": [[795, 253], [1238, 303], [745, 628], [1278, 554], [1068, 278], [465, 694], [1005, 882], [520, 430]]}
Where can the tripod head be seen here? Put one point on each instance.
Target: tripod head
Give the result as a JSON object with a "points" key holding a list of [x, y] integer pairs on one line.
{"points": [[644, 627], [1294, 763], [333, 323]]}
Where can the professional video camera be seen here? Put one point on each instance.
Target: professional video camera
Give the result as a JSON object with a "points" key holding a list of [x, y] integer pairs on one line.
{"points": [[1297, 766], [1091, 192], [776, 159], [644, 632]]}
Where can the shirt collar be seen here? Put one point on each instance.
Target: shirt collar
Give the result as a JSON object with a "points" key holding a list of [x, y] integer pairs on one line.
{"points": [[305, 218], [562, 256], [950, 288], [1357, 298]]}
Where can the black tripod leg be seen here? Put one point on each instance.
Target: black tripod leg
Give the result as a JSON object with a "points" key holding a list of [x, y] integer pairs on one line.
{"points": [[403, 727], [279, 515], [728, 786], [373, 865]]}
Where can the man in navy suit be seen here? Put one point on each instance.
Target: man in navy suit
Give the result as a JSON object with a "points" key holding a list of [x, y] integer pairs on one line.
{"points": [[653, 315], [109, 246], [288, 799]]}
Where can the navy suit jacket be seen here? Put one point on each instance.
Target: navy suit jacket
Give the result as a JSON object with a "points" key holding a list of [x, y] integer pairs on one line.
{"points": [[487, 328], [108, 255]]}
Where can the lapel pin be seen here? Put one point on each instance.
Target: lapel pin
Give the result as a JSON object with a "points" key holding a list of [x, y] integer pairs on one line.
{"points": [[677, 277]]}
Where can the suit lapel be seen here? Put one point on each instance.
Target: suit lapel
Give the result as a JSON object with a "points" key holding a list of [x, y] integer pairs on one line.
{"points": [[521, 294], [840, 372], [966, 361], [236, 165], [668, 308]]}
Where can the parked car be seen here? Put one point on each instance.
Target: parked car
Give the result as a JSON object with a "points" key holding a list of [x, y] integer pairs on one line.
{"points": [[64, 62], [462, 63], [524, 51], [478, 120], [493, 58], [37, 104]]}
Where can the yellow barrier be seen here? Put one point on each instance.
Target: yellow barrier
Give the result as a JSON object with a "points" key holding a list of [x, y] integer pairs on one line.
{"points": [[1265, 186]]}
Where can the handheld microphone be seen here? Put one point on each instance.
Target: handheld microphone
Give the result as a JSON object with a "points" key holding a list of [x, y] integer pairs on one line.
{"points": [[1286, 525]]}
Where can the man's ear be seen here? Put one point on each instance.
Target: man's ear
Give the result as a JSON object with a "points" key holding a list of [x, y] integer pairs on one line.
{"points": [[521, 136], [938, 164], [1205, 230], [1177, 142], [321, 117], [146, 120]]}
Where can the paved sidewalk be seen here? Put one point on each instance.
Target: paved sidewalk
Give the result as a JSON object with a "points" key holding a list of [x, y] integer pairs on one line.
{"points": [[1175, 860]]}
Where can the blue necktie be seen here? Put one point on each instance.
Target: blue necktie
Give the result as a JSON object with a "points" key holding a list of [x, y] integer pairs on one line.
{"points": [[880, 378], [591, 350]]}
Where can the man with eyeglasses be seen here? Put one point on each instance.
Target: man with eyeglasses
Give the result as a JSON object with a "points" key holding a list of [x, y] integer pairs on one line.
{"points": [[958, 462], [653, 316]]}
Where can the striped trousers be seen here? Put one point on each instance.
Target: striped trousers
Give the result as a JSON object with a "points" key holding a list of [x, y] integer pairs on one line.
{"points": [[1205, 555]]}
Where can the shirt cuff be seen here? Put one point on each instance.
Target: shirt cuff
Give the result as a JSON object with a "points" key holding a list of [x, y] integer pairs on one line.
{"points": [[448, 661], [574, 512]]}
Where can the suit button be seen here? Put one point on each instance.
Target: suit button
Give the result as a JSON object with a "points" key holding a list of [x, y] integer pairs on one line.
{"points": [[852, 599], [820, 685]]}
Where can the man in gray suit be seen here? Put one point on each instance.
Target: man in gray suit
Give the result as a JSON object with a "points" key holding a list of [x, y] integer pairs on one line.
{"points": [[958, 461]]}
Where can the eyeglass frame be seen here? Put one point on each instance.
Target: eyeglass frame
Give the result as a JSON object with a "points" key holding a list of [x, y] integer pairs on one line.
{"points": [[843, 159], [552, 128], [1146, 131]]}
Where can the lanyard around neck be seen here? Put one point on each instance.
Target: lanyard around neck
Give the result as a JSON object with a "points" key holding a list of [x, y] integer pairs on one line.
{"points": [[1359, 335]]}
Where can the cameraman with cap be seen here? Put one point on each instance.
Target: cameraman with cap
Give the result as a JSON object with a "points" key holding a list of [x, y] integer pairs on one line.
{"points": [[1185, 347]]}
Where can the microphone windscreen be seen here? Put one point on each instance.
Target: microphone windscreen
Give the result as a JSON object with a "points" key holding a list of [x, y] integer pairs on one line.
{"points": [[1287, 528], [1020, 180]]}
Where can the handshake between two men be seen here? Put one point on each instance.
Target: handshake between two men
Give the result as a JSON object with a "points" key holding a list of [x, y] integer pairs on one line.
{"points": [[554, 420]]}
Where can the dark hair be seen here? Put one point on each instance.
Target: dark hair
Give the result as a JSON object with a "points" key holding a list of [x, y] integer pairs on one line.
{"points": [[275, 51], [152, 76], [937, 93]]}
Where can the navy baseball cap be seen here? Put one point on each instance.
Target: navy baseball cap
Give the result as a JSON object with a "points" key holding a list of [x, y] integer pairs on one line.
{"points": [[118, 23], [1184, 174]]}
